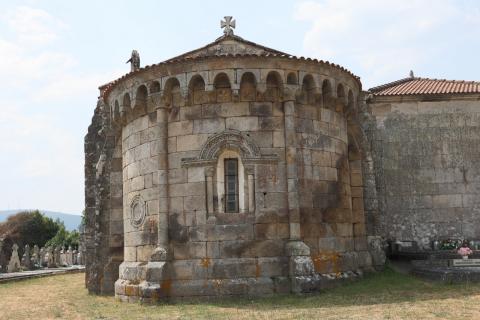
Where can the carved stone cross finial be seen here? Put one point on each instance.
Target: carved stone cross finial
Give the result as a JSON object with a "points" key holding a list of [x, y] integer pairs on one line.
{"points": [[228, 25]]}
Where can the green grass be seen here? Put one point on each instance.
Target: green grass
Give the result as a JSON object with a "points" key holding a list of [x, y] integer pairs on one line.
{"points": [[385, 295]]}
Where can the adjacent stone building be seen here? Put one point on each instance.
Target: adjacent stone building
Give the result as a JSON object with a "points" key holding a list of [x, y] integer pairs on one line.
{"points": [[237, 169], [425, 138]]}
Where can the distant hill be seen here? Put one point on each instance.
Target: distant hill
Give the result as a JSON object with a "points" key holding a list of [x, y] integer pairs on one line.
{"points": [[71, 221]]}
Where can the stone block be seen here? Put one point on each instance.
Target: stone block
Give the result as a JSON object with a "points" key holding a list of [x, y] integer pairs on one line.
{"points": [[194, 203], [263, 109], [233, 268], [242, 123], [263, 139], [210, 125], [142, 151], [137, 183], [149, 165], [265, 231], [196, 174], [191, 142], [272, 267], [278, 139], [191, 112]]}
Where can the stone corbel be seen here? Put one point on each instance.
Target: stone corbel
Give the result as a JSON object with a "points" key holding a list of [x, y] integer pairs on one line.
{"points": [[184, 92], [154, 101], [290, 92], [261, 87]]}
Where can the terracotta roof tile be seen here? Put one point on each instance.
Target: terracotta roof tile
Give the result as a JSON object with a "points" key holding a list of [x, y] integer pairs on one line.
{"points": [[417, 86]]}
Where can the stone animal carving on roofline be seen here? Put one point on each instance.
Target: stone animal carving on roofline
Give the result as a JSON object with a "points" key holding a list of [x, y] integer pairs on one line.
{"points": [[134, 61]]}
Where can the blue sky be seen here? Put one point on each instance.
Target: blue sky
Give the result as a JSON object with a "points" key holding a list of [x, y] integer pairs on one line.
{"points": [[54, 55]]}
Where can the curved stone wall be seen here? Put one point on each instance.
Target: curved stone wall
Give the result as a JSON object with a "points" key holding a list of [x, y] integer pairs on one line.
{"points": [[298, 219]]}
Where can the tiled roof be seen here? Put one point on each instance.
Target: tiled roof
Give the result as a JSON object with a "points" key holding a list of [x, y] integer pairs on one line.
{"points": [[425, 86], [213, 50]]}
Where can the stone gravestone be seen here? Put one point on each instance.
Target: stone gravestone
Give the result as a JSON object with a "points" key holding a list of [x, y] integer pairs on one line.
{"points": [[14, 264], [69, 256], [36, 257], [3, 260], [26, 263], [50, 258], [63, 257], [57, 256], [74, 257], [42, 258], [80, 257]]}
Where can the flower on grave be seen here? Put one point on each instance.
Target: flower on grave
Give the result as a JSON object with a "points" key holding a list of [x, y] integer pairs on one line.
{"points": [[464, 251]]}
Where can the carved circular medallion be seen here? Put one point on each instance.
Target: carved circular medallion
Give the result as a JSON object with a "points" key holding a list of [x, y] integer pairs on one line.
{"points": [[137, 211]]}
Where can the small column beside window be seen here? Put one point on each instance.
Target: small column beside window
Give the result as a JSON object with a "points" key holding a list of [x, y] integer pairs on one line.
{"points": [[210, 190]]}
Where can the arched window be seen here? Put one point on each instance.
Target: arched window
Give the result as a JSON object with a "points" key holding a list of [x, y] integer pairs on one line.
{"points": [[230, 182], [248, 89], [222, 88]]}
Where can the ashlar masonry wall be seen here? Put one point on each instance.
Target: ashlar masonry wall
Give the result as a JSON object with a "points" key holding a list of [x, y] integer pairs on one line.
{"points": [[426, 152]]}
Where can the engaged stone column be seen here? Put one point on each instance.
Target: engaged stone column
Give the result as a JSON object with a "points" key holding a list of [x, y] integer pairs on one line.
{"points": [[160, 253], [301, 268], [290, 158]]}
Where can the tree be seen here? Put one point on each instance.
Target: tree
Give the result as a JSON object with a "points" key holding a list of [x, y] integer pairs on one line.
{"points": [[65, 238], [27, 227]]}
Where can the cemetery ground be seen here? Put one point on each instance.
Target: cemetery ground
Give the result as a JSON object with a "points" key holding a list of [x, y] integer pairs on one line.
{"points": [[385, 295]]}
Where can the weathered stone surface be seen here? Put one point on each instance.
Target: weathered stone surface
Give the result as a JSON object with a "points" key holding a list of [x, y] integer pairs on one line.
{"points": [[231, 181]]}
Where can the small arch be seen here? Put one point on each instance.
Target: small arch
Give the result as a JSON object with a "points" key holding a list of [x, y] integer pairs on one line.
{"points": [[350, 101], [274, 83], [154, 87], [326, 93], [248, 87], [116, 110], [308, 89], [126, 103], [292, 78], [222, 87], [141, 94], [171, 92], [196, 89], [341, 101], [140, 103]]}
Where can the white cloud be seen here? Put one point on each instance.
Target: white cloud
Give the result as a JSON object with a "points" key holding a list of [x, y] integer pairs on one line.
{"points": [[33, 26], [41, 145], [381, 40]]}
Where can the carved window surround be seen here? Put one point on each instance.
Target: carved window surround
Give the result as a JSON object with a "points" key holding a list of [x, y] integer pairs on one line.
{"points": [[249, 155]]}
